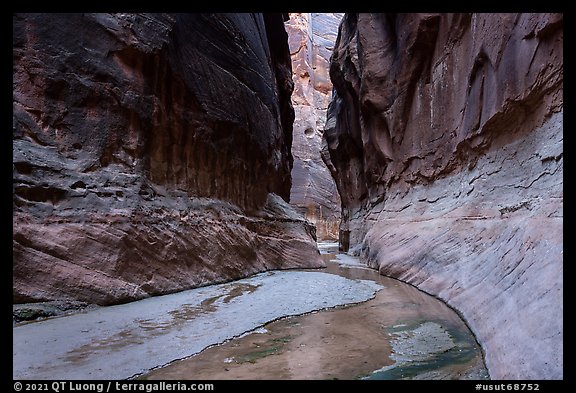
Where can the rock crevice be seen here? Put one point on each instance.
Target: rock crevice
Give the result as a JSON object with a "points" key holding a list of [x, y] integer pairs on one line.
{"points": [[311, 38]]}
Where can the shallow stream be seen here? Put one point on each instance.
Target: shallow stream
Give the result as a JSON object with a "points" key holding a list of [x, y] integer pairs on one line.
{"points": [[402, 333]]}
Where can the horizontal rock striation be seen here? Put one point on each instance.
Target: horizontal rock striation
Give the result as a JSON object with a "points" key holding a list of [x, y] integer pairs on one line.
{"points": [[445, 138], [151, 153]]}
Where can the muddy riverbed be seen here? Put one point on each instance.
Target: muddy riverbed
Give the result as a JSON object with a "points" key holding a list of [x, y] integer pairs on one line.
{"points": [[342, 322], [123, 341], [402, 333]]}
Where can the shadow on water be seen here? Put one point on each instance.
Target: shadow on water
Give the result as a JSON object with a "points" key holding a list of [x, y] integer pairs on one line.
{"points": [[402, 333]]}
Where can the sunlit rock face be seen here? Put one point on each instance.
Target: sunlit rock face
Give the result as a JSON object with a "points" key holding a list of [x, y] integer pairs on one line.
{"points": [[445, 139], [311, 38], [151, 153]]}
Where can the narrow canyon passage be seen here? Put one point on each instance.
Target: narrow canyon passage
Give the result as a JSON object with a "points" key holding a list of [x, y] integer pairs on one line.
{"points": [[288, 196]]}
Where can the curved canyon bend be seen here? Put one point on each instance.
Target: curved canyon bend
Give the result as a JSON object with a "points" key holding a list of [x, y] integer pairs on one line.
{"points": [[400, 333], [288, 196]]}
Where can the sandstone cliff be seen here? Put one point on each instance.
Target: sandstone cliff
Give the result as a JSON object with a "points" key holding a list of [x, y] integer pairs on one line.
{"points": [[445, 138], [311, 38], [151, 153]]}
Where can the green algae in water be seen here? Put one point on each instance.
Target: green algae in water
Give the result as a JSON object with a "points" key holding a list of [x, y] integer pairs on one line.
{"points": [[277, 346], [463, 351], [252, 357], [436, 362], [282, 340]]}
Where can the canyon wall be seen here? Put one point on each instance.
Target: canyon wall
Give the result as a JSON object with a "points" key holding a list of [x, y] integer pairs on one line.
{"points": [[445, 138], [151, 153], [311, 38]]}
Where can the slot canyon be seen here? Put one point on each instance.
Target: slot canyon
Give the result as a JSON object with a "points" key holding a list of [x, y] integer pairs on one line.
{"points": [[287, 196]]}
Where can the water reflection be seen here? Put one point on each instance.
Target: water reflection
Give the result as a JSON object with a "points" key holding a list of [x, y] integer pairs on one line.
{"points": [[402, 333]]}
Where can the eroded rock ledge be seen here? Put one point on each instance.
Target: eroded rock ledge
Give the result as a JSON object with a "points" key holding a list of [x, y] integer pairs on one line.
{"points": [[151, 154], [445, 138]]}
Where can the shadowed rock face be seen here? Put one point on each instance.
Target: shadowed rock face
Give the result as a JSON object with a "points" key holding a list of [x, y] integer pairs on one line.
{"points": [[445, 138], [311, 38], [151, 154]]}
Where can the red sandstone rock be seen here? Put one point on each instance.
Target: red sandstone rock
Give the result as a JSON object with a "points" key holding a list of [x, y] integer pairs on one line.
{"points": [[311, 38], [445, 140], [149, 153]]}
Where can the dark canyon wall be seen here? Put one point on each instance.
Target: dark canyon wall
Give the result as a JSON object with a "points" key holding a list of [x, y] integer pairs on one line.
{"points": [[311, 38], [445, 138], [151, 153]]}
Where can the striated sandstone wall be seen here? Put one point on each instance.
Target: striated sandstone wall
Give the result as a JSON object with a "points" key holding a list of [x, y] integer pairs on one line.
{"points": [[311, 38], [445, 138], [151, 153]]}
